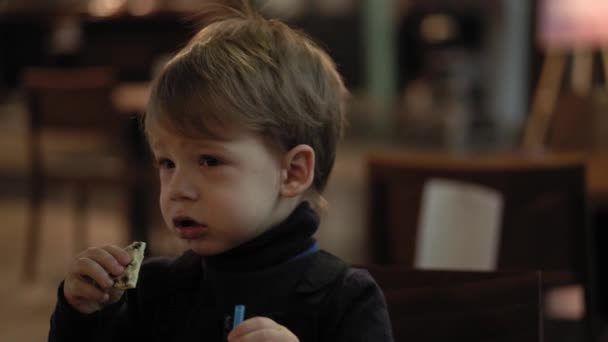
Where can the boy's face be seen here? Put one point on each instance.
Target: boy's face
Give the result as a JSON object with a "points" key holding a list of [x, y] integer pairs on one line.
{"points": [[216, 194]]}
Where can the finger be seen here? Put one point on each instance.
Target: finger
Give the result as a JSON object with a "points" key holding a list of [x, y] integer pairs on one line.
{"points": [[84, 291], [87, 268], [279, 334], [252, 324], [119, 254], [115, 295], [104, 258], [86, 307], [255, 324]]}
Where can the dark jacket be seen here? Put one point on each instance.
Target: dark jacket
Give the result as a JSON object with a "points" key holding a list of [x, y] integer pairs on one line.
{"points": [[314, 294]]}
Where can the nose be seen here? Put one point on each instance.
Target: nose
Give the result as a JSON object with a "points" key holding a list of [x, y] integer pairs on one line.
{"points": [[182, 187]]}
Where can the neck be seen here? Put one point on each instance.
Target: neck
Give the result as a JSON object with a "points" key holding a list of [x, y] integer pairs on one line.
{"points": [[279, 244], [284, 208]]}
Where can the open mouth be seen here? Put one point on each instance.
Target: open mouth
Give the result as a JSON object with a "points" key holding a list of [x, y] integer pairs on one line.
{"points": [[185, 222], [188, 228]]}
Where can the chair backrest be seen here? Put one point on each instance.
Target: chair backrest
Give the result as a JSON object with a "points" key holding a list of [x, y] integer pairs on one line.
{"points": [[70, 99], [462, 306], [71, 112], [543, 224]]}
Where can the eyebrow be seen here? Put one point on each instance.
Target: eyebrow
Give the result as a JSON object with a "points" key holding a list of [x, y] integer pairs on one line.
{"points": [[213, 144], [218, 145]]}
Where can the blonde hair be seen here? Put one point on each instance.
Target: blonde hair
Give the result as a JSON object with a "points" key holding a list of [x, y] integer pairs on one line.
{"points": [[247, 72]]}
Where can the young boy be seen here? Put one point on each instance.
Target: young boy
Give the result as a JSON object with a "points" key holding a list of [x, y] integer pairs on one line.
{"points": [[243, 124]]}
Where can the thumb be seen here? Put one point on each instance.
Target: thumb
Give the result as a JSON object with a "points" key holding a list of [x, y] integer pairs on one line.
{"points": [[115, 295]]}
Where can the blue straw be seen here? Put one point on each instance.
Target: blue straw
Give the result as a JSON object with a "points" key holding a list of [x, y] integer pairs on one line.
{"points": [[239, 315]]}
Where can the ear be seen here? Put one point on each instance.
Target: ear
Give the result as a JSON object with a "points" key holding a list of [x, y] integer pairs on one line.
{"points": [[298, 170]]}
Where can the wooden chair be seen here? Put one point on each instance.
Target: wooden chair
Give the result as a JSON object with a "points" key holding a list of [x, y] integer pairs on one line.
{"points": [[544, 215], [462, 306], [544, 220], [75, 138]]}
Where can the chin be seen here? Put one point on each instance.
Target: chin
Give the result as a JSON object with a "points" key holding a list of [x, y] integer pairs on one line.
{"points": [[205, 248]]}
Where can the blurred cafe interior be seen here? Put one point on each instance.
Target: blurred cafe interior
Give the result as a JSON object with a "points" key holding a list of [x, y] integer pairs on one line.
{"points": [[472, 180]]}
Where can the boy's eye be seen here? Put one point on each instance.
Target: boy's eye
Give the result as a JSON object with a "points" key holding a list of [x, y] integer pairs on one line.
{"points": [[206, 160], [164, 163]]}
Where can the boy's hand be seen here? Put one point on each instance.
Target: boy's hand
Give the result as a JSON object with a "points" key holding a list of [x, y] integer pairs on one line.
{"points": [[261, 329], [88, 283]]}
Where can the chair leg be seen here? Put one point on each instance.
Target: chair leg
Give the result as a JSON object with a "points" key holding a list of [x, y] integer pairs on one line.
{"points": [[80, 227], [32, 238]]}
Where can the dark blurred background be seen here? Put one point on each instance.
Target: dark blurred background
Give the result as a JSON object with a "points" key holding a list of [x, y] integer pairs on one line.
{"points": [[448, 77]]}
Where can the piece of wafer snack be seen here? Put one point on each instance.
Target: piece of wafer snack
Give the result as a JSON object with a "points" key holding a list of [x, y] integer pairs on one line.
{"points": [[128, 279]]}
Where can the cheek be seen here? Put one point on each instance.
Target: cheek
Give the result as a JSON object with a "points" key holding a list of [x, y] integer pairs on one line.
{"points": [[234, 207], [251, 200], [163, 203]]}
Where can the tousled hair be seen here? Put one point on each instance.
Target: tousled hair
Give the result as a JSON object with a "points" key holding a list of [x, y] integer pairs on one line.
{"points": [[243, 71]]}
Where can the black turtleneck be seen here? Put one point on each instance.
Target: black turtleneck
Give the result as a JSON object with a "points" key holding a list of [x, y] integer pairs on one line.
{"points": [[279, 244], [178, 300]]}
